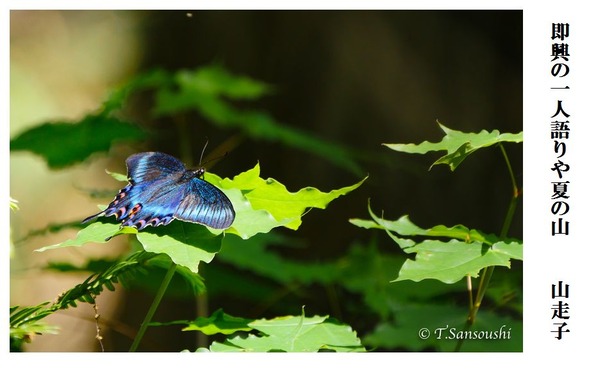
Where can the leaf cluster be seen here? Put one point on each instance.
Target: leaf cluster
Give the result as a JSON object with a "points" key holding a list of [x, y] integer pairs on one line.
{"points": [[27, 321], [210, 91], [281, 334]]}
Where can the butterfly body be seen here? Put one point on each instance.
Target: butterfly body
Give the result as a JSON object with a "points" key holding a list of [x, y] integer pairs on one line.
{"points": [[161, 189]]}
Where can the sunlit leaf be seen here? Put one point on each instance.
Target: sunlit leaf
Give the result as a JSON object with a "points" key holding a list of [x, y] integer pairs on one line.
{"points": [[96, 232], [404, 227], [449, 261], [458, 145], [444, 261], [219, 323], [284, 206], [294, 334], [186, 244]]}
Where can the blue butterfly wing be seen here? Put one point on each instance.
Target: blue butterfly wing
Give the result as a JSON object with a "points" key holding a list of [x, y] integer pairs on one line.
{"points": [[147, 168], [204, 203], [160, 189], [149, 204], [151, 196]]}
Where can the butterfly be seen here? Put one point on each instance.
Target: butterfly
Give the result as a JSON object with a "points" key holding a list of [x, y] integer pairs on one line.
{"points": [[161, 189]]}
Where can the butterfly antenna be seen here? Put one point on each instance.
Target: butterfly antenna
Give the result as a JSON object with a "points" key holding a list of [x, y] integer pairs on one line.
{"points": [[203, 149], [203, 164]]}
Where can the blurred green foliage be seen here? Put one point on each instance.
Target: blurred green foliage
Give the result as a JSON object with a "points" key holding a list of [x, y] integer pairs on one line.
{"points": [[381, 298]]}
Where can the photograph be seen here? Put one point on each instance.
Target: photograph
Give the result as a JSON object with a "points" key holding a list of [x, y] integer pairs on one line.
{"points": [[198, 187], [256, 181]]}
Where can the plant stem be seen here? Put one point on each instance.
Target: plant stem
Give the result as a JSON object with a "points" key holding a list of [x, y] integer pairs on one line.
{"points": [[154, 306], [202, 310], [487, 273]]}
